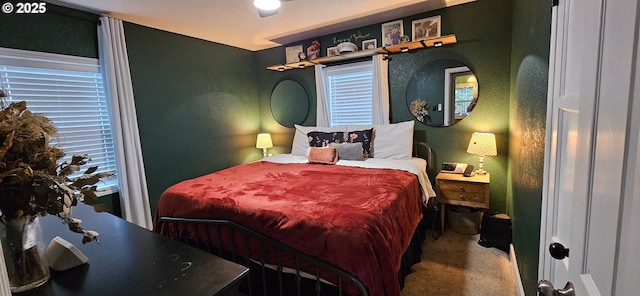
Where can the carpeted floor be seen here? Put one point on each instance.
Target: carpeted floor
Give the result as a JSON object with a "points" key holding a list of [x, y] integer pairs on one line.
{"points": [[455, 264]]}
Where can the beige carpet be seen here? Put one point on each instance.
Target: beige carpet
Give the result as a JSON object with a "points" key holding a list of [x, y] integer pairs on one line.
{"points": [[456, 265]]}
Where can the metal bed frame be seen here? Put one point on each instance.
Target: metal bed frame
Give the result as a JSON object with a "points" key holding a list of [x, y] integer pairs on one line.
{"points": [[190, 231]]}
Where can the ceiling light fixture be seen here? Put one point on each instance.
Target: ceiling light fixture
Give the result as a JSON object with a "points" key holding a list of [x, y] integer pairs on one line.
{"points": [[266, 4]]}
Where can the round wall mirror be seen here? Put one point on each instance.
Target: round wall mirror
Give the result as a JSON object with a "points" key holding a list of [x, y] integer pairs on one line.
{"points": [[289, 103], [442, 93]]}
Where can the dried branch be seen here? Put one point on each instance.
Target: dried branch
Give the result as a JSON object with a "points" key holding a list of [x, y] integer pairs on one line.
{"points": [[31, 180]]}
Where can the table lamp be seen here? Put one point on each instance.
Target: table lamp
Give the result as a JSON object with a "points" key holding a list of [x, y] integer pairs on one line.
{"points": [[482, 144], [264, 142]]}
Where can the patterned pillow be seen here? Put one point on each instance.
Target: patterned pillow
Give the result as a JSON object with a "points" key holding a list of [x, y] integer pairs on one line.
{"points": [[365, 137], [301, 140], [323, 139]]}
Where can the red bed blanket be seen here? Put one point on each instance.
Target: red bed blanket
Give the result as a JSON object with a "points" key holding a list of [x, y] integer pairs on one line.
{"points": [[359, 219]]}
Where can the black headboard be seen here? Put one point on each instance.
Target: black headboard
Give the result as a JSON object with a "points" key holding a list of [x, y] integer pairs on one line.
{"points": [[422, 150]]}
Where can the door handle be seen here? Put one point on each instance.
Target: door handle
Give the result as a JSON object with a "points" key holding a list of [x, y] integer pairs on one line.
{"points": [[558, 251], [545, 288]]}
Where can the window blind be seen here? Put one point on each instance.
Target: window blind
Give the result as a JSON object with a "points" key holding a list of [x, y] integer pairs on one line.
{"points": [[70, 92], [350, 93]]}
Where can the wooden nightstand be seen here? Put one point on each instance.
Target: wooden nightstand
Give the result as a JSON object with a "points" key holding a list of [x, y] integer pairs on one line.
{"points": [[456, 189]]}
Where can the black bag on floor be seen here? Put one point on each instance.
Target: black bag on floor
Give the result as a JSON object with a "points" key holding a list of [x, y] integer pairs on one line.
{"points": [[495, 231]]}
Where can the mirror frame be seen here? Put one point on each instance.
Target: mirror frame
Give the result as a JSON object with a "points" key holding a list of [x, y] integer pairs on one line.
{"points": [[286, 103]]}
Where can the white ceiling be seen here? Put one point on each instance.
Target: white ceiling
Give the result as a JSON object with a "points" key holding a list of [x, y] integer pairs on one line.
{"points": [[237, 23]]}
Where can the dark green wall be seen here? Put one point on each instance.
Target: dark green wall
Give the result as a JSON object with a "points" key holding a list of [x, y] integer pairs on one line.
{"points": [[59, 30], [282, 137], [197, 105], [529, 77], [483, 30]]}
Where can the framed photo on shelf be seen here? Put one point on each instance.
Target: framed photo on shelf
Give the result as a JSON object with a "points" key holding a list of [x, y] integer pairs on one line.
{"points": [[291, 53], [391, 33], [425, 28], [332, 51], [313, 51], [369, 44]]}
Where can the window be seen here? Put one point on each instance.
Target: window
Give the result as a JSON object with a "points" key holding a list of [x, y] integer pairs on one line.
{"points": [[69, 91], [464, 93], [350, 93], [460, 92]]}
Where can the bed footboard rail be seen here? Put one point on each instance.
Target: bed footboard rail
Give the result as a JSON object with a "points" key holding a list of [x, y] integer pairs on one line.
{"points": [[237, 243]]}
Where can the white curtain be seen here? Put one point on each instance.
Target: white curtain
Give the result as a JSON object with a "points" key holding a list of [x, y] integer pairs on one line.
{"points": [[322, 110], [5, 285], [380, 98], [134, 197]]}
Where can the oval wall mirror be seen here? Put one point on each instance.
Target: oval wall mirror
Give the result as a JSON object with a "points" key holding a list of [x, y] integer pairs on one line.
{"points": [[442, 93], [289, 103]]}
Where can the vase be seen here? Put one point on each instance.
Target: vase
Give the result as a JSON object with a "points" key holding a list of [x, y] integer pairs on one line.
{"points": [[24, 253]]}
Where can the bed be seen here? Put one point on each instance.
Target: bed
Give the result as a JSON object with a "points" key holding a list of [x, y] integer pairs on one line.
{"points": [[307, 228]]}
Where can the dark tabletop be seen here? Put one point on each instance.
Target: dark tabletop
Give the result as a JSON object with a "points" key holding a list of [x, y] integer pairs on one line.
{"points": [[131, 260]]}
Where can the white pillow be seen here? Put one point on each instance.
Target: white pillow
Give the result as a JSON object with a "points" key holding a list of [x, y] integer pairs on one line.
{"points": [[394, 141], [390, 141], [301, 141]]}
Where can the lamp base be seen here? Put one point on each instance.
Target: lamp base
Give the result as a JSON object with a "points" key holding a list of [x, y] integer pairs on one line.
{"points": [[480, 170]]}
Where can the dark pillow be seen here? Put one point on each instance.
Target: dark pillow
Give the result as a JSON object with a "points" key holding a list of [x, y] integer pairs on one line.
{"points": [[349, 151], [322, 139], [365, 137]]}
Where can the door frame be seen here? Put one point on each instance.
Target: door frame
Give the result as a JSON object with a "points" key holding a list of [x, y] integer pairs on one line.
{"points": [[449, 93]]}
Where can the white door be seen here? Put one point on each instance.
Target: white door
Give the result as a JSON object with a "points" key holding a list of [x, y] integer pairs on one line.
{"points": [[589, 157]]}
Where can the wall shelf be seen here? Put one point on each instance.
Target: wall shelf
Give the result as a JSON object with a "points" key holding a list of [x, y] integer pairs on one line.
{"points": [[403, 47]]}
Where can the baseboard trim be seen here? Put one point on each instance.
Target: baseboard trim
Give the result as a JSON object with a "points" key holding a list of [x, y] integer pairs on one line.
{"points": [[516, 271]]}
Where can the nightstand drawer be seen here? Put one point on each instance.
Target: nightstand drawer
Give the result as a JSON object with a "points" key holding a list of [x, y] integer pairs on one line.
{"points": [[464, 193], [463, 187]]}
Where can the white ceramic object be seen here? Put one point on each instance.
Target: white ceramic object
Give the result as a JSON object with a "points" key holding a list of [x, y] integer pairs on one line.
{"points": [[63, 255], [345, 47]]}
